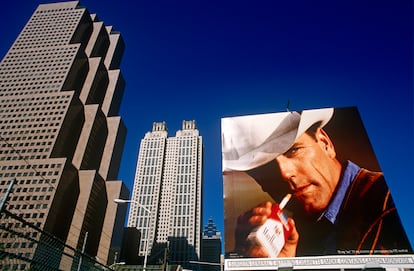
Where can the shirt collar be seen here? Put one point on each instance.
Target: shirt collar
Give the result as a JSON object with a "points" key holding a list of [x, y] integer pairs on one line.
{"points": [[348, 175]]}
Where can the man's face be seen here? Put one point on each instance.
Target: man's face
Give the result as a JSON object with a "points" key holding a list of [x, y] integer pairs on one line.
{"points": [[311, 170]]}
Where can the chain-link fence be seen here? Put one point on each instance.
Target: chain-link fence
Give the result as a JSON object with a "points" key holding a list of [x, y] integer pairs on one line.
{"points": [[24, 246]]}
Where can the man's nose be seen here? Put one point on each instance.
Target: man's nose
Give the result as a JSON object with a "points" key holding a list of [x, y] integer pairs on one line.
{"points": [[287, 170]]}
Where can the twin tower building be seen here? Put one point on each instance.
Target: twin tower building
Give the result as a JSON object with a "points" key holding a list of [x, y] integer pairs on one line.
{"points": [[61, 142]]}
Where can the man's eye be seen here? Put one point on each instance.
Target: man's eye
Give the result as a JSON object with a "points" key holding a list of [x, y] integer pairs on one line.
{"points": [[292, 151]]}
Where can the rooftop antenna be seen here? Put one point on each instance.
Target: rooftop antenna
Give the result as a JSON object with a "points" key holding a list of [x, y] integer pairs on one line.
{"points": [[287, 106]]}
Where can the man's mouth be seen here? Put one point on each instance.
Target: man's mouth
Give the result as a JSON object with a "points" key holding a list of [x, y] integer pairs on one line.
{"points": [[300, 191]]}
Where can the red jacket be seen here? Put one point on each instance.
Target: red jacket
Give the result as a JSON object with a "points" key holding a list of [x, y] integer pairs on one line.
{"points": [[368, 220], [367, 223]]}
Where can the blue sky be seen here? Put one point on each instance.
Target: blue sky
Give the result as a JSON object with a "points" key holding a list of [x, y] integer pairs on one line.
{"points": [[205, 60]]}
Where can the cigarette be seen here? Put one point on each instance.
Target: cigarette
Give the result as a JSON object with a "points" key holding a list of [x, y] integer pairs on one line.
{"points": [[284, 201]]}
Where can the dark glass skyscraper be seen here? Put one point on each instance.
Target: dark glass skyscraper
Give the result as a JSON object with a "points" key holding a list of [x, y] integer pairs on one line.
{"points": [[211, 247]]}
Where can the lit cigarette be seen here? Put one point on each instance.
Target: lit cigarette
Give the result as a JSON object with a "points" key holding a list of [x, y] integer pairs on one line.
{"points": [[284, 201]]}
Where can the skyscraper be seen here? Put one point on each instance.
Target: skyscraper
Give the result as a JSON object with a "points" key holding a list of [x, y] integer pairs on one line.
{"points": [[61, 138], [167, 195], [211, 247]]}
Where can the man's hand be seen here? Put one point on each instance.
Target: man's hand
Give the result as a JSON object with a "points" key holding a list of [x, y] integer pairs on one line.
{"points": [[254, 218], [289, 250], [245, 224]]}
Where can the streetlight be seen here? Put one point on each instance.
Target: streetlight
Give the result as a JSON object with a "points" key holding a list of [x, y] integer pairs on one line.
{"points": [[123, 201]]}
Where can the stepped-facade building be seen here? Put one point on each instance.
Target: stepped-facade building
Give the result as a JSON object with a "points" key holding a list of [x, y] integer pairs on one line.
{"points": [[61, 139]]}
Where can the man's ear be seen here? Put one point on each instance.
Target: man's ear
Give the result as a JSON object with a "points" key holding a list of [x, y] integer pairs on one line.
{"points": [[325, 142]]}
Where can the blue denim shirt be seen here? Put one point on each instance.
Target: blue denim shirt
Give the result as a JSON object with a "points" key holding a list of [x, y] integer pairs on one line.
{"points": [[348, 175]]}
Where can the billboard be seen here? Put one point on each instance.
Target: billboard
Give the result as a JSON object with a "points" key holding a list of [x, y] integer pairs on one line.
{"points": [[304, 189]]}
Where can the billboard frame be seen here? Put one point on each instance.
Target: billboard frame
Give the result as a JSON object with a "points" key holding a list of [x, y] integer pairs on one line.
{"points": [[240, 176], [321, 262]]}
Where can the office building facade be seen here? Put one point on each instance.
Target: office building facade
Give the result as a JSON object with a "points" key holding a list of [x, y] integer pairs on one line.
{"points": [[211, 256], [61, 138], [167, 195]]}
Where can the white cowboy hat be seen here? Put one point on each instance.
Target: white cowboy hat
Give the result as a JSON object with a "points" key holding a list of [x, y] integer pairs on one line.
{"points": [[254, 140]]}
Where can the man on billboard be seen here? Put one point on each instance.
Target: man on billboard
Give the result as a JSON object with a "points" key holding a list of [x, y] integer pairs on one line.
{"points": [[337, 206]]}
